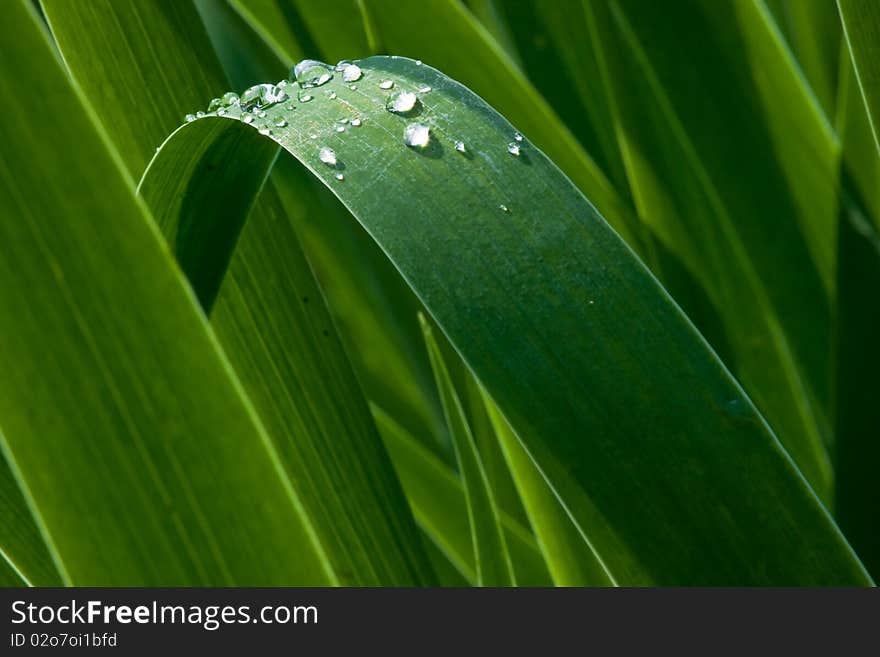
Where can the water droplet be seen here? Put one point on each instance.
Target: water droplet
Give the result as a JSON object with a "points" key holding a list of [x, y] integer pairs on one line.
{"points": [[351, 73], [327, 156], [290, 107], [265, 131], [200, 115], [189, 118], [424, 89], [356, 123], [229, 98], [517, 136], [503, 208], [221, 111], [340, 128], [278, 94], [386, 84], [402, 102], [305, 98], [261, 114], [353, 87], [281, 123], [418, 62], [215, 104], [255, 96], [332, 95], [158, 148], [460, 147], [417, 135], [247, 118], [513, 148], [339, 176], [313, 136], [312, 73], [343, 120]]}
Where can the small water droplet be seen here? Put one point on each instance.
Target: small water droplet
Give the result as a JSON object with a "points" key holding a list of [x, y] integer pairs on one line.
{"points": [[517, 136], [339, 176], [189, 118], [343, 120], [327, 156], [215, 104], [229, 98], [261, 114], [313, 136], [265, 131], [281, 123], [417, 135], [305, 98], [353, 87], [424, 89], [402, 102], [340, 128], [290, 107], [351, 73], [460, 147], [418, 62], [503, 207], [200, 115], [247, 118], [311, 73], [513, 149], [332, 95], [158, 148], [386, 84], [356, 123]]}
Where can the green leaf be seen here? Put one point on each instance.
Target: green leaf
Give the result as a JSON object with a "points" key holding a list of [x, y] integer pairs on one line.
{"points": [[438, 500], [861, 28], [651, 445], [269, 316], [490, 549], [22, 544], [569, 556], [719, 198], [128, 432]]}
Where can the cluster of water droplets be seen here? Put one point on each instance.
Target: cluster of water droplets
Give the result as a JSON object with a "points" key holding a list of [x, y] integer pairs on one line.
{"points": [[302, 86]]}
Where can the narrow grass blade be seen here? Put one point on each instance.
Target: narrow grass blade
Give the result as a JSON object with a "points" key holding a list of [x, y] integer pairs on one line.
{"points": [[492, 559], [861, 28], [569, 557], [437, 497]]}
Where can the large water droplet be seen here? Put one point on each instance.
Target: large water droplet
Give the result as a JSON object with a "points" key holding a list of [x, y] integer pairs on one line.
{"points": [[402, 102], [386, 84], [255, 96], [229, 98], [351, 73], [513, 148], [312, 73], [327, 156], [278, 93], [215, 104], [417, 135]]}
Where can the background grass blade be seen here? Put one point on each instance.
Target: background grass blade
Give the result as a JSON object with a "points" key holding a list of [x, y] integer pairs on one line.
{"points": [[861, 28], [493, 564], [22, 544], [270, 315], [437, 496], [569, 557], [688, 173], [626, 419], [140, 451]]}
